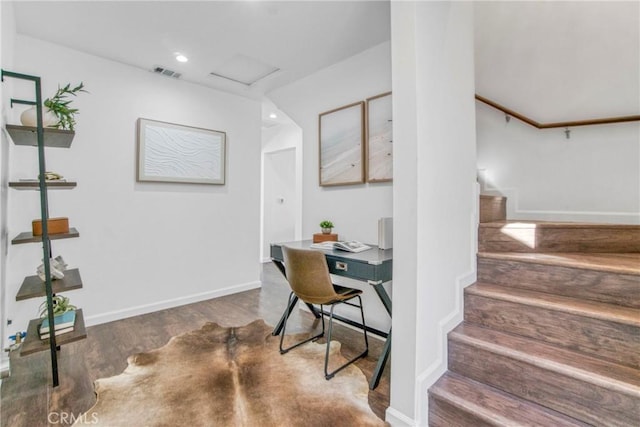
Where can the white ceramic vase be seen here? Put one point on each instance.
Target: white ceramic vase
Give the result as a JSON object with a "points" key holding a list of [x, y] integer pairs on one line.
{"points": [[29, 118]]}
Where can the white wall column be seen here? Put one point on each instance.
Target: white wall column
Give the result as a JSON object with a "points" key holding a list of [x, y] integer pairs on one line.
{"points": [[435, 193]]}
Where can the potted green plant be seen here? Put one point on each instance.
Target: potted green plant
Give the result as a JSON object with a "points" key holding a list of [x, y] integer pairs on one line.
{"points": [[57, 112], [326, 226], [64, 317], [61, 305]]}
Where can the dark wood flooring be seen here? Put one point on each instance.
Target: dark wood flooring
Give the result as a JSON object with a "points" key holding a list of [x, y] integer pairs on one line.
{"points": [[27, 398]]}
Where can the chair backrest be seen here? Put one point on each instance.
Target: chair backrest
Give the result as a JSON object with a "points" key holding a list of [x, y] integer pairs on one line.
{"points": [[308, 275]]}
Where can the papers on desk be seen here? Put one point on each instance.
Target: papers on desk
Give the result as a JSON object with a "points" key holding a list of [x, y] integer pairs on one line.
{"points": [[351, 246]]}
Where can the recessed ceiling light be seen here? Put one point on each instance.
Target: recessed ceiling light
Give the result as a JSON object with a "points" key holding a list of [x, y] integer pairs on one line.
{"points": [[181, 58], [273, 116]]}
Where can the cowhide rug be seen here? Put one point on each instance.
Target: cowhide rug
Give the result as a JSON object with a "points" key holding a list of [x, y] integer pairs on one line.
{"points": [[218, 376]]}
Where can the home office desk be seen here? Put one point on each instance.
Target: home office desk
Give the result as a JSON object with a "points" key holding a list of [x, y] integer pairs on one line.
{"points": [[372, 266]]}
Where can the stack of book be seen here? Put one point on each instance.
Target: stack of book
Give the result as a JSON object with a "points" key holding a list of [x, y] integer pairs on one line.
{"points": [[64, 323]]}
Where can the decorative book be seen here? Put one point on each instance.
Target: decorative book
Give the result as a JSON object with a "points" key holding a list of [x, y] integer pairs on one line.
{"points": [[351, 246], [44, 336], [54, 226], [62, 321], [322, 237]]}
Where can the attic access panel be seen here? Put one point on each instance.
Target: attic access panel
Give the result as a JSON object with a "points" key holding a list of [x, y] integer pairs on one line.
{"points": [[245, 70]]}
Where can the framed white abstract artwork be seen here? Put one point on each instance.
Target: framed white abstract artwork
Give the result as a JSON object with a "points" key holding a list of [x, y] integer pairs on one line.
{"points": [[169, 152]]}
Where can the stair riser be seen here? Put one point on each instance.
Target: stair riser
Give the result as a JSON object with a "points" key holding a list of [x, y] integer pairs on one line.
{"points": [[539, 239], [443, 414], [621, 289], [493, 209], [615, 342], [581, 400]]}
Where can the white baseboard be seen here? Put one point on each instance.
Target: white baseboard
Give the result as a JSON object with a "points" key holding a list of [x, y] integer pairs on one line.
{"points": [[430, 375], [514, 211], [397, 419], [161, 305]]}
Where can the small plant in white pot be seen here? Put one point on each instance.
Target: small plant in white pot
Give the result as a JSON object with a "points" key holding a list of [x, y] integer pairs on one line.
{"points": [[57, 112], [326, 226]]}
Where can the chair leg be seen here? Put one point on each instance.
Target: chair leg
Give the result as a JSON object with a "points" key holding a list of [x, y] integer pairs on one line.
{"points": [[284, 326], [329, 375]]}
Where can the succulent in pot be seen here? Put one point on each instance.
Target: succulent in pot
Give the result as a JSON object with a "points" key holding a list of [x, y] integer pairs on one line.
{"points": [[326, 226], [61, 305]]}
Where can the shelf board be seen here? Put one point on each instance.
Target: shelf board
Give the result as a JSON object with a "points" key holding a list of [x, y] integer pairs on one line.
{"points": [[33, 344], [33, 287], [34, 185], [28, 237], [27, 135]]}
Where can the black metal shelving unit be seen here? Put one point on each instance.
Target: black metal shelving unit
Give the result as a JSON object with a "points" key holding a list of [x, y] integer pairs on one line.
{"points": [[32, 286]]}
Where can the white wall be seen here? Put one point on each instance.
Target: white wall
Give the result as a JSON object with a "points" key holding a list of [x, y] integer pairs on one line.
{"points": [[284, 136], [7, 37], [435, 193], [142, 246], [354, 209], [593, 176], [559, 61]]}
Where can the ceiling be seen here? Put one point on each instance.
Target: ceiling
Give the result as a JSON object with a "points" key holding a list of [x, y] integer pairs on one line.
{"points": [[559, 60], [547, 59], [297, 38]]}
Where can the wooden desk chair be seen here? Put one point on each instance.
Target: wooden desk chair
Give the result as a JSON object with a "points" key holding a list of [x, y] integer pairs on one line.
{"points": [[308, 276]]}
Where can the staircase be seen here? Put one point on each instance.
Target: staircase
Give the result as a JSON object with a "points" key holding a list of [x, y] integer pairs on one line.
{"points": [[551, 331]]}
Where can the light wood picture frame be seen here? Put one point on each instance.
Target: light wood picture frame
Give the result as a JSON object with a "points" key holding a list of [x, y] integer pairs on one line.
{"points": [[379, 148], [341, 145], [169, 152]]}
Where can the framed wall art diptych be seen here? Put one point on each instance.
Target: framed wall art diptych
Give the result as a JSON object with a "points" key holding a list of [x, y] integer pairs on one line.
{"points": [[379, 138], [169, 152], [341, 135]]}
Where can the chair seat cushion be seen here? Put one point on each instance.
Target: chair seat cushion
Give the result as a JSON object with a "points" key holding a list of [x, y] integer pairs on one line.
{"points": [[345, 293]]}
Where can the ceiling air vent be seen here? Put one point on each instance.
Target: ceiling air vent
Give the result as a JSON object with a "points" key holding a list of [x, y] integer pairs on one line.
{"points": [[166, 72]]}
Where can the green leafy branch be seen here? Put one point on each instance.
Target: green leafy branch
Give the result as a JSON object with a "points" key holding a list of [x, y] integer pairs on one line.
{"points": [[59, 105]]}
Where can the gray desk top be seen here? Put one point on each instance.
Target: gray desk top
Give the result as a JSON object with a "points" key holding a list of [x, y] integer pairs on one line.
{"points": [[373, 256]]}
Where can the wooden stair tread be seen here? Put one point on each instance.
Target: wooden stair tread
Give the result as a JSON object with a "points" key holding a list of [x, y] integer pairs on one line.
{"points": [[495, 406], [559, 224], [582, 307], [585, 368], [622, 263]]}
